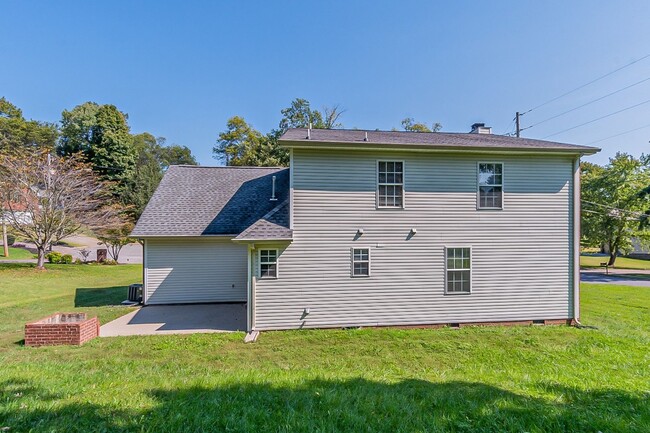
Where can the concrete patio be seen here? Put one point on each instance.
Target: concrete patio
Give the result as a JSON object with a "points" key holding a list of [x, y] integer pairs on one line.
{"points": [[178, 319]]}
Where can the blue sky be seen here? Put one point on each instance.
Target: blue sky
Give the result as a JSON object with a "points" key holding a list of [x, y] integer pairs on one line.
{"points": [[181, 69]]}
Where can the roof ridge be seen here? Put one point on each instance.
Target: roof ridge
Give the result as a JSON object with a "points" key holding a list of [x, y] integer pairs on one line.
{"points": [[273, 211], [247, 167], [266, 217]]}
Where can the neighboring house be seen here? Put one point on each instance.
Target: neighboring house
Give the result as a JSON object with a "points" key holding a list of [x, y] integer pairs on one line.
{"points": [[18, 210], [372, 228]]}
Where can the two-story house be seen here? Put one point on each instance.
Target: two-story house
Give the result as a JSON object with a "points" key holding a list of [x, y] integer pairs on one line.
{"points": [[374, 228]]}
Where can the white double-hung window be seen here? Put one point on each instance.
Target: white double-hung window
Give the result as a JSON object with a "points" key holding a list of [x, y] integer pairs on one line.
{"points": [[268, 263], [360, 262], [458, 269], [490, 185], [390, 184]]}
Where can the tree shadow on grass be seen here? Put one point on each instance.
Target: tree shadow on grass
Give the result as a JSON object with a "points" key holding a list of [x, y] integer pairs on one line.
{"points": [[100, 297], [16, 266], [351, 406]]}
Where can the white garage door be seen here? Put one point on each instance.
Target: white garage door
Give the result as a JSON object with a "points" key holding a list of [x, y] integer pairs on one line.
{"points": [[191, 270]]}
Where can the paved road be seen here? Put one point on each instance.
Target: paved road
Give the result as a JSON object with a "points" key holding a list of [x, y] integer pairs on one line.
{"points": [[131, 253], [601, 278]]}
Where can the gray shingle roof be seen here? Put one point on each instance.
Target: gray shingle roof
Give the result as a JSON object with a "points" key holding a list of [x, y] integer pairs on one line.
{"points": [[273, 225], [198, 201], [420, 140]]}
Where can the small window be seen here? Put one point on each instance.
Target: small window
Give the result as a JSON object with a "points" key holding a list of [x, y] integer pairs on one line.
{"points": [[459, 271], [490, 186], [390, 184], [360, 262], [268, 263]]}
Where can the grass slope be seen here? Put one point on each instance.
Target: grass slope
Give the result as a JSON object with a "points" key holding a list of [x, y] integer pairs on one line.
{"points": [[16, 254], [495, 379], [621, 262], [27, 294]]}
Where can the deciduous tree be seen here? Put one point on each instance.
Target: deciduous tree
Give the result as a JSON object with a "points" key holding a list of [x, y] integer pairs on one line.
{"points": [[241, 144], [116, 237], [409, 124], [614, 203], [153, 158], [101, 134], [49, 198], [17, 132]]}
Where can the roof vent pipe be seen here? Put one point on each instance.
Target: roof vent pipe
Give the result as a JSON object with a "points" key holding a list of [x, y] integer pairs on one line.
{"points": [[273, 198], [309, 132], [366, 137]]}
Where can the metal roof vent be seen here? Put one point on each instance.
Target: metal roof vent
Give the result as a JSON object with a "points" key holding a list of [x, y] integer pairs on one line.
{"points": [[480, 128]]}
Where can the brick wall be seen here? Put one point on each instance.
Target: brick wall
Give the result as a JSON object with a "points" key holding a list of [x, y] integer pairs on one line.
{"points": [[41, 333]]}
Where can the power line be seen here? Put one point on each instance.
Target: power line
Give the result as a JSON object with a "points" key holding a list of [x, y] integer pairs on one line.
{"points": [[587, 84], [508, 130], [587, 103], [599, 118], [621, 133], [610, 207]]}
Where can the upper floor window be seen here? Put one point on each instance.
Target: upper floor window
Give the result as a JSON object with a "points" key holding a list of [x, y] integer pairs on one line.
{"points": [[490, 185], [268, 263], [390, 184]]}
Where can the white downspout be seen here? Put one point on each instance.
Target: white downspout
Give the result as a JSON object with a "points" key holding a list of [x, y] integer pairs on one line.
{"points": [[576, 240], [145, 282], [249, 304]]}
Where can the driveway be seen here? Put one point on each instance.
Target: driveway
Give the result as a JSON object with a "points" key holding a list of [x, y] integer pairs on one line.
{"points": [[627, 279], [178, 319]]}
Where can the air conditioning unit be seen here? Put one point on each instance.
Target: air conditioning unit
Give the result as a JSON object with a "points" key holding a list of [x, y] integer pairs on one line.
{"points": [[135, 293]]}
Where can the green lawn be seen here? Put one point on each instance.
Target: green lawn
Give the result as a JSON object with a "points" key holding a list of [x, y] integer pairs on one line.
{"points": [[621, 262], [492, 379], [16, 254]]}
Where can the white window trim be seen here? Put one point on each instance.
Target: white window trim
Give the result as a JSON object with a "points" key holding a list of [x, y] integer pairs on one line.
{"points": [[403, 206], [471, 270], [277, 263], [478, 186], [352, 262]]}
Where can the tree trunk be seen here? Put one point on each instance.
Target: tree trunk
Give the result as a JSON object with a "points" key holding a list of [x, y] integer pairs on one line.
{"points": [[40, 264], [612, 258]]}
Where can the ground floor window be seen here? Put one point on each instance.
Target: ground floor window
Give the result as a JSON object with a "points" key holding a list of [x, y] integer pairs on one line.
{"points": [[268, 263], [360, 262], [458, 265]]}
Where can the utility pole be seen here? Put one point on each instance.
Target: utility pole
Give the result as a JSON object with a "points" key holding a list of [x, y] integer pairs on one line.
{"points": [[4, 238], [517, 116]]}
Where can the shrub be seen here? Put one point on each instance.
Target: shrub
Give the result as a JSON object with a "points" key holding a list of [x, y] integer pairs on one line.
{"points": [[109, 262], [11, 239], [66, 259], [54, 257], [58, 258], [78, 262]]}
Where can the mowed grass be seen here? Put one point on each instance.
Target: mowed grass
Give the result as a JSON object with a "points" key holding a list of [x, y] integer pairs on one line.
{"points": [[621, 262], [28, 294], [16, 254], [492, 379]]}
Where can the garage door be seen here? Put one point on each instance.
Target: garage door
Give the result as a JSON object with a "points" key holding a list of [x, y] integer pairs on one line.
{"points": [[191, 270]]}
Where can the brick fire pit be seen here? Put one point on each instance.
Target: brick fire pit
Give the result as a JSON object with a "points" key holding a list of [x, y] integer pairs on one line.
{"points": [[61, 328]]}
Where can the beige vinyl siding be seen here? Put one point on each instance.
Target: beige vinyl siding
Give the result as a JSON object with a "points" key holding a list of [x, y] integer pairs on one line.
{"points": [[520, 254], [192, 270]]}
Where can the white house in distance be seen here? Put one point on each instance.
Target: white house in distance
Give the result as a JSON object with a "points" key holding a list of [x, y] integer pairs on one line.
{"points": [[374, 228]]}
